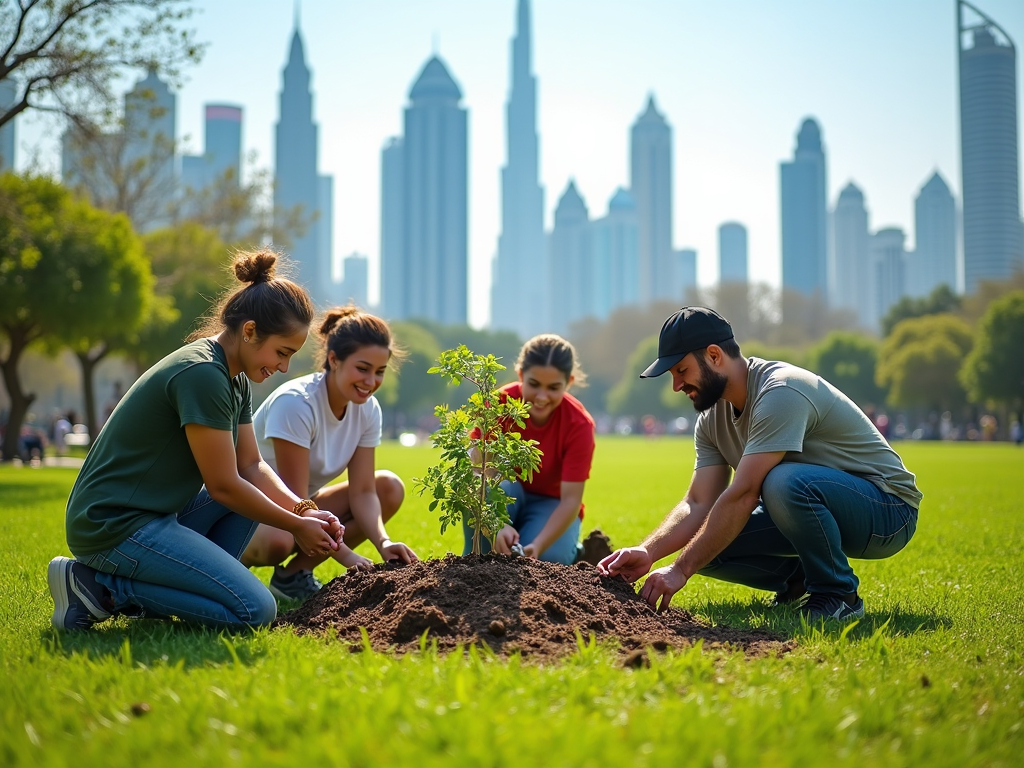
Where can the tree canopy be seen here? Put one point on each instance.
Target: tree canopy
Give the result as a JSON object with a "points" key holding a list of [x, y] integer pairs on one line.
{"points": [[633, 396], [69, 275], [65, 56], [994, 370], [848, 361], [942, 300], [919, 360]]}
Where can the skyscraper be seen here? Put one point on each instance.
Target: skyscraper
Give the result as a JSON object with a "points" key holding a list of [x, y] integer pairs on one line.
{"points": [[435, 260], [325, 238], [519, 304], [295, 168], [354, 284], [392, 253], [222, 149], [988, 149], [886, 260], [804, 222], [850, 247], [732, 253], [650, 172], [684, 273], [935, 239], [570, 256], [8, 95], [614, 262]]}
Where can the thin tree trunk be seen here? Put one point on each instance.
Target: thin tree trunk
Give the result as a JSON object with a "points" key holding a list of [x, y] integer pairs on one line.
{"points": [[19, 337], [88, 361]]}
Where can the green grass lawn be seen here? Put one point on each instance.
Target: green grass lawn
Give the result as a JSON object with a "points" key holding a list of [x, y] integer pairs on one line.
{"points": [[934, 674]]}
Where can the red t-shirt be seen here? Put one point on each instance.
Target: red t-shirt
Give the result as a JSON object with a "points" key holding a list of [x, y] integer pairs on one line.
{"points": [[566, 440]]}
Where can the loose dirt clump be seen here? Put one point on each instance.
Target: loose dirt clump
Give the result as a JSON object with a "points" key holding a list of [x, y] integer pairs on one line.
{"points": [[510, 604]]}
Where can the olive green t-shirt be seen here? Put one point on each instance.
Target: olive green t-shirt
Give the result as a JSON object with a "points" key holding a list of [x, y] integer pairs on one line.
{"points": [[141, 465], [796, 411]]}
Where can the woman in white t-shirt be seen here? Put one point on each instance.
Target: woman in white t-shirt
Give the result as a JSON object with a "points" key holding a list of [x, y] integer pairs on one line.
{"points": [[312, 429]]}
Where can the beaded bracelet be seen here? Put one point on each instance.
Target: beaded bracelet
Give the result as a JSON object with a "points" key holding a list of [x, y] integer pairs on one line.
{"points": [[303, 505]]}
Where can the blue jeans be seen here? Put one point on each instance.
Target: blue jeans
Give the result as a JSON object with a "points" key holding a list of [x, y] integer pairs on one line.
{"points": [[816, 517], [186, 565], [529, 513]]}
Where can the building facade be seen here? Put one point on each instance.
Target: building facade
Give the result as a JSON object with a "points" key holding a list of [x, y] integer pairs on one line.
{"points": [[519, 304], [650, 184], [570, 254], [296, 182], [8, 96], [804, 217], [434, 263], [850, 248], [935, 252], [992, 229], [732, 253]]}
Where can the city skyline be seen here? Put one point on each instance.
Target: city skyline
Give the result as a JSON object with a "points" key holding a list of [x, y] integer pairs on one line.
{"points": [[733, 115]]}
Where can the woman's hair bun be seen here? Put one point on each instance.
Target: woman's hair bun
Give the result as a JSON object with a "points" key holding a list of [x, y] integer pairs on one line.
{"points": [[255, 267], [334, 316]]}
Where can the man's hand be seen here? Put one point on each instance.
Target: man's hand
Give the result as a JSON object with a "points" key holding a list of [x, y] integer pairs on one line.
{"points": [[630, 563], [506, 537], [396, 550], [661, 585], [331, 523]]}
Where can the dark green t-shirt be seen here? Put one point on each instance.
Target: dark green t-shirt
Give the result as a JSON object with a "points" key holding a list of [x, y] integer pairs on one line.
{"points": [[141, 465]]}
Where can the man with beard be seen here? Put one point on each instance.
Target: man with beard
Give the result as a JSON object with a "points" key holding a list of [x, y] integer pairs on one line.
{"points": [[813, 481]]}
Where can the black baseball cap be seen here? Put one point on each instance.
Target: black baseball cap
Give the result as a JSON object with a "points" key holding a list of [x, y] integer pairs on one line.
{"points": [[689, 329]]}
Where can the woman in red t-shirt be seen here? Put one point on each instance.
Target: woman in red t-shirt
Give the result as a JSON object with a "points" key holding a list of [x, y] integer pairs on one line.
{"points": [[546, 512]]}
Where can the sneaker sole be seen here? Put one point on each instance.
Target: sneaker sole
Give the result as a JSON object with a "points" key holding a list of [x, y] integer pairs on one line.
{"points": [[57, 578], [285, 596]]}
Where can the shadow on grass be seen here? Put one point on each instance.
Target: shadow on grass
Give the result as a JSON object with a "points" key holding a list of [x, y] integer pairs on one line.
{"points": [[787, 620], [160, 642]]}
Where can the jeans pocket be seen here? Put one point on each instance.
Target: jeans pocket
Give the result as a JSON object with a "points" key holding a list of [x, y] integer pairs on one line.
{"points": [[881, 546], [114, 562]]}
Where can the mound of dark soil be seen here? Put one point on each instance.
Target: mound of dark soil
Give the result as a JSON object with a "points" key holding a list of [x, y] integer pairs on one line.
{"points": [[511, 604]]}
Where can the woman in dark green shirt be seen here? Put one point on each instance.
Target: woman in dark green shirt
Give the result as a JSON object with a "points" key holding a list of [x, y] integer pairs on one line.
{"points": [[174, 485]]}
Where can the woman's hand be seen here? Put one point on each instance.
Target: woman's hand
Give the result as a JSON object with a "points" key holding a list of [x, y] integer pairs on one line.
{"points": [[396, 550], [506, 537], [358, 563], [333, 525], [312, 535]]}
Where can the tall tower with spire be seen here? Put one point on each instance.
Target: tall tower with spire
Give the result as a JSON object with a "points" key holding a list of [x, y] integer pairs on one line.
{"points": [[519, 304], [650, 174], [295, 174]]}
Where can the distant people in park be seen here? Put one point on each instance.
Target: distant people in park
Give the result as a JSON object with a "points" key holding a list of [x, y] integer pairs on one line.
{"points": [[31, 443], [62, 426], [547, 512], [815, 482], [150, 518], [312, 429], [1016, 432]]}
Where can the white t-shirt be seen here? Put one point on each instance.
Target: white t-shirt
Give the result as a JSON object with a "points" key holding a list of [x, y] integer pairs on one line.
{"points": [[298, 411]]}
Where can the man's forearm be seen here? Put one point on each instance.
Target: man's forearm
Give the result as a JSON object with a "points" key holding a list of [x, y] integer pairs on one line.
{"points": [[263, 477], [676, 530], [718, 530]]}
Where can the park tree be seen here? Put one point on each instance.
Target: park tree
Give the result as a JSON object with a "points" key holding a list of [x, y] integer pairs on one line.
{"points": [[413, 390], [190, 264], [848, 361], [65, 57], [69, 274], [919, 360], [633, 396], [994, 370], [942, 300]]}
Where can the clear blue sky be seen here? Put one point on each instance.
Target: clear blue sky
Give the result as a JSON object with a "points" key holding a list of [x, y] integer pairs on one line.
{"points": [[734, 77]]}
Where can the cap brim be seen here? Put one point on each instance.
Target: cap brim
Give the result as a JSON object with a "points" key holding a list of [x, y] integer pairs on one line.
{"points": [[661, 365]]}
